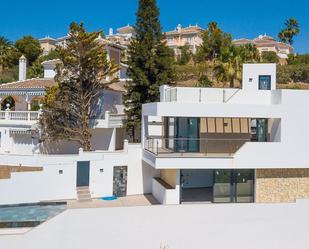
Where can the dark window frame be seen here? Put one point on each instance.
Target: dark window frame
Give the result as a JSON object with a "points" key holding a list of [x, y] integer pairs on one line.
{"points": [[260, 76]]}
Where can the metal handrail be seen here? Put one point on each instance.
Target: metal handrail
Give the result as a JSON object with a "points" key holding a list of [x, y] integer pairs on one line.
{"points": [[202, 146]]}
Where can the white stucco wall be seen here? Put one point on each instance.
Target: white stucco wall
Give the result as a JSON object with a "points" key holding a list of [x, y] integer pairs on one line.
{"points": [[253, 71], [288, 144], [165, 196], [50, 185], [108, 101]]}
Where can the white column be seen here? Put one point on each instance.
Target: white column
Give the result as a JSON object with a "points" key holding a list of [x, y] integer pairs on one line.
{"points": [[7, 111]]}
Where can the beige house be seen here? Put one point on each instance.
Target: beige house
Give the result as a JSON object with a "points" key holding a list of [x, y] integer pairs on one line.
{"points": [[178, 37], [47, 44], [265, 43], [123, 36]]}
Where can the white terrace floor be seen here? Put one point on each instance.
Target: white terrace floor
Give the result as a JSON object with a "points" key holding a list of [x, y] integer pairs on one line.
{"points": [[238, 226], [128, 201]]}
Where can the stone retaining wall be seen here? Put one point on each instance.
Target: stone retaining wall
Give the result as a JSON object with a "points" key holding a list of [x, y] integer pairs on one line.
{"points": [[281, 185]]}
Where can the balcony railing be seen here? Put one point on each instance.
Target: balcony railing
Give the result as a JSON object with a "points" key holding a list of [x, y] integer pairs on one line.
{"points": [[218, 95], [20, 115], [197, 147], [109, 121], [116, 119]]}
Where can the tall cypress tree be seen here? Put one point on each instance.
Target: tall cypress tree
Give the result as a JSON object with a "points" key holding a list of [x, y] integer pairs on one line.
{"points": [[150, 63]]}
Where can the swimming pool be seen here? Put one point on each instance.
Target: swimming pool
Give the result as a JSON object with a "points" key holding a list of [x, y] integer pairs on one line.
{"points": [[29, 215]]}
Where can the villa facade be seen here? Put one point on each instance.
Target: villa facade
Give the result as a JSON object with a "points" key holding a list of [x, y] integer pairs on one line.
{"points": [[228, 145], [265, 43], [198, 145], [123, 36], [179, 37]]}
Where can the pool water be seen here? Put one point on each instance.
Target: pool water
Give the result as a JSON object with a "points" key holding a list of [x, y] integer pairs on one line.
{"points": [[28, 215], [109, 198]]}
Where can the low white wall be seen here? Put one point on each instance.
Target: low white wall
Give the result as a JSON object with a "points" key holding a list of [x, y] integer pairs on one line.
{"points": [[163, 195], [49, 184]]}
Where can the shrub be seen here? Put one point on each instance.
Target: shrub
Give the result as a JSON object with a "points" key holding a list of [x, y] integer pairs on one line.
{"points": [[204, 81], [293, 73]]}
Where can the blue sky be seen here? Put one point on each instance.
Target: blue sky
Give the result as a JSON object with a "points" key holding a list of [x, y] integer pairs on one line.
{"points": [[239, 17]]}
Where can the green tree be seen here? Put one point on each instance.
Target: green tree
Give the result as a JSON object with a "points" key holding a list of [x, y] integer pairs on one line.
{"points": [[215, 41], [249, 53], [291, 28], [229, 68], [299, 59], [37, 69], [80, 77], [185, 55], [5, 47], [150, 64], [29, 47], [269, 57]]}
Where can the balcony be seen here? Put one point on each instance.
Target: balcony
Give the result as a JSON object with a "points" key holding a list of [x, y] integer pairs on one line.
{"points": [[19, 117], [110, 120], [218, 96], [194, 147], [31, 117]]}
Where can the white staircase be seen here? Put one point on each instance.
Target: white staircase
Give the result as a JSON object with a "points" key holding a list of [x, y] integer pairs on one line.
{"points": [[83, 194]]}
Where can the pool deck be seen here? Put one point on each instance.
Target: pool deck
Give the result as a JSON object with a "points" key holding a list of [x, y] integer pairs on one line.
{"points": [[218, 226], [9, 231], [128, 201]]}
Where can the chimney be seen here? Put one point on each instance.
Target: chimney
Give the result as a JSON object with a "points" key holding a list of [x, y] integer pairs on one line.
{"points": [[179, 28], [22, 68], [110, 32]]}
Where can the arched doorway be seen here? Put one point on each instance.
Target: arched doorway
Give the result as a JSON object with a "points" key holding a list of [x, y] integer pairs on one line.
{"points": [[35, 104], [8, 100]]}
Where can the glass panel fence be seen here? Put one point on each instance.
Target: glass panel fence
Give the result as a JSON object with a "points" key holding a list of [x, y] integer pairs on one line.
{"points": [[184, 146]]}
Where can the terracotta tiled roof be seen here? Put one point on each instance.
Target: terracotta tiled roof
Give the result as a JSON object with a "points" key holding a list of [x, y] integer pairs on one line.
{"points": [[38, 83], [263, 41], [117, 86], [126, 29], [187, 30]]}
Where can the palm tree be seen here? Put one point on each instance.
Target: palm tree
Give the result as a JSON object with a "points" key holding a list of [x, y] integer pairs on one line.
{"points": [[229, 68], [5, 46], [291, 29]]}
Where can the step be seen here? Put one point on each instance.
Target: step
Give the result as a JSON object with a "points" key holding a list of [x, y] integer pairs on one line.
{"points": [[81, 188], [83, 194], [83, 191], [84, 200]]}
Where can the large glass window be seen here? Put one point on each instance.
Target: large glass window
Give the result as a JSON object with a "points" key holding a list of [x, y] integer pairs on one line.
{"points": [[233, 185], [169, 132], [259, 130], [187, 135], [222, 189], [264, 82], [244, 185]]}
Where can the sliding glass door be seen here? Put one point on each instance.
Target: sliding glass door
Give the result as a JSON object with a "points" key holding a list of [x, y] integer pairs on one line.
{"points": [[187, 135], [193, 135], [244, 185], [233, 185], [222, 189], [261, 129]]}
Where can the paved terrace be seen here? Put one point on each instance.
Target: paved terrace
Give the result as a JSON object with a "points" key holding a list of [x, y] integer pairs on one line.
{"points": [[128, 201], [233, 226]]}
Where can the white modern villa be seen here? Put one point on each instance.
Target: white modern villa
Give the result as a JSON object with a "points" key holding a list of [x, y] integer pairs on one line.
{"points": [[228, 145], [198, 145]]}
